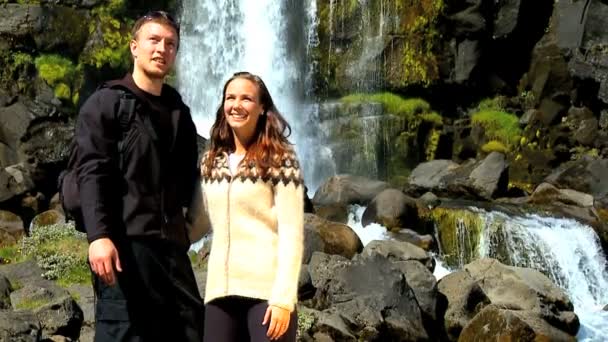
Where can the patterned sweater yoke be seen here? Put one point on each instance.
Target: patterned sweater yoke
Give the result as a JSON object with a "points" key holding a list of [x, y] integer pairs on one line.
{"points": [[258, 223]]}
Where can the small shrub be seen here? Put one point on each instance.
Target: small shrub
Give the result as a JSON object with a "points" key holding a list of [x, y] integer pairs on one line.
{"points": [[55, 69], [305, 322], [60, 251]]}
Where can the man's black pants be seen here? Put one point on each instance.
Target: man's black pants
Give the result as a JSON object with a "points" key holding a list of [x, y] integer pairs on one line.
{"points": [[155, 297]]}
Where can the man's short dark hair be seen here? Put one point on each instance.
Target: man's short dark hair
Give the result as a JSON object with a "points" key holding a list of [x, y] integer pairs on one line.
{"points": [[159, 17]]}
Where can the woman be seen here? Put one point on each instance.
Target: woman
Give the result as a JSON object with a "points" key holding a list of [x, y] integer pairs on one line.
{"points": [[253, 192]]}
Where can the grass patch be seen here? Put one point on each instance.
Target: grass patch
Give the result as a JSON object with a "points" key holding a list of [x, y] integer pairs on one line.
{"points": [[394, 104], [10, 254], [500, 126], [61, 252]]}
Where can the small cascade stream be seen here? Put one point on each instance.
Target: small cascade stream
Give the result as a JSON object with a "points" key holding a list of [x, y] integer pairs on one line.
{"points": [[566, 251]]}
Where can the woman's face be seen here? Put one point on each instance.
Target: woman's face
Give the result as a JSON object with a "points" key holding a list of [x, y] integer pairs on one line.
{"points": [[242, 107]]}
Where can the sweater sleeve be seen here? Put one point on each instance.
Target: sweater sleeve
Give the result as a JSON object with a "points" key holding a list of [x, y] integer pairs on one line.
{"points": [[289, 206]]}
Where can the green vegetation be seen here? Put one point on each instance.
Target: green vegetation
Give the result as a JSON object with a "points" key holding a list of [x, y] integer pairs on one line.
{"points": [[113, 47], [30, 304], [305, 322], [59, 73], [500, 126], [60, 251], [16, 68], [459, 233], [9, 254], [395, 104], [496, 104], [494, 146]]}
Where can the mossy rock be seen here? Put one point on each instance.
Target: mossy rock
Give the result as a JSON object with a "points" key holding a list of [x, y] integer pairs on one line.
{"points": [[47, 218], [354, 54], [459, 234]]}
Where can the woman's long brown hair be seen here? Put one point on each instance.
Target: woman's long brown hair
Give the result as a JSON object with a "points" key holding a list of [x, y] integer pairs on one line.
{"points": [[270, 138]]}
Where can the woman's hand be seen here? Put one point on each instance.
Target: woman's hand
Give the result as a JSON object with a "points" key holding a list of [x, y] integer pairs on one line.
{"points": [[279, 321]]}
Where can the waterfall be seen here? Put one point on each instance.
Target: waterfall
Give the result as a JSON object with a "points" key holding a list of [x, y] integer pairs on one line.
{"points": [[266, 37], [566, 251]]}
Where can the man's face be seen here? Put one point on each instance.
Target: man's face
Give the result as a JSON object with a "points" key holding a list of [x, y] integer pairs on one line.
{"points": [[154, 49]]}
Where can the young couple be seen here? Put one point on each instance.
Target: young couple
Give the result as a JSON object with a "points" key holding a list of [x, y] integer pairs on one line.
{"points": [[136, 188]]}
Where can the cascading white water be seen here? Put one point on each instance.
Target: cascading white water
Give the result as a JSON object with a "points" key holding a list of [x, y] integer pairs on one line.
{"points": [[269, 38], [565, 250]]}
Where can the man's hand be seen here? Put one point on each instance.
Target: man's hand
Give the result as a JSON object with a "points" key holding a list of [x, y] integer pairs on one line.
{"points": [[279, 321], [103, 258]]}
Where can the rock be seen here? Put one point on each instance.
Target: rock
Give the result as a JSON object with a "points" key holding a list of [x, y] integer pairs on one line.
{"points": [[399, 251], [55, 204], [517, 288], [430, 199], [47, 218], [497, 323], [585, 175], [5, 293], [347, 189], [11, 228], [546, 193], [429, 175], [333, 237], [32, 202], [425, 242], [424, 285], [14, 180], [333, 212], [465, 299], [392, 209], [20, 326], [371, 296], [56, 310], [490, 178]]}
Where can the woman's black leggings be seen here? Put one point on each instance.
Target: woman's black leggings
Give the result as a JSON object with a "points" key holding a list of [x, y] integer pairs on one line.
{"points": [[240, 319]]}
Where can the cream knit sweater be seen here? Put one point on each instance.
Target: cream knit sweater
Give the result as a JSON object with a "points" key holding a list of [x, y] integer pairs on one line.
{"points": [[258, 229]]}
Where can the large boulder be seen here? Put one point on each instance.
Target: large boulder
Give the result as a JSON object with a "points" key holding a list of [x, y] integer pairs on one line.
{"points": [[52, 28], [392, 209], [523, 293], [368, 297], [329, 237], [348, 189], [494, 322], [20, 326]]}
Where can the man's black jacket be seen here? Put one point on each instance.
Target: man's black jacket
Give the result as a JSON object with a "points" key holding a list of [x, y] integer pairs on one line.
{"points": [[145, 196]]}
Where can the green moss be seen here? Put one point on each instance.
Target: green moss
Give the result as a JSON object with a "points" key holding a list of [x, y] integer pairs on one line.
{"points": [[459, 234], [30, 304], [500, 126], [392, 104], [419, 63], [55, 69], [63, 92], [432, 143], [432, 117], [113, 47], [496, 104], [17, 71], [494, 146]]}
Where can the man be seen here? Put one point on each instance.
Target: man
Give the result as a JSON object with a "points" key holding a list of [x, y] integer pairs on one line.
{"points": [[134, 185]]}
